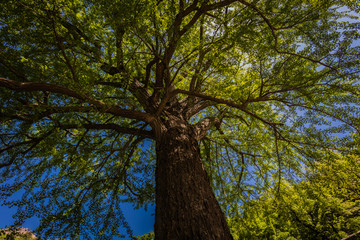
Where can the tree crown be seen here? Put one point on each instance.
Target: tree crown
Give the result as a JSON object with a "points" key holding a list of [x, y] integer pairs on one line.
{"points": [[88, 88]]}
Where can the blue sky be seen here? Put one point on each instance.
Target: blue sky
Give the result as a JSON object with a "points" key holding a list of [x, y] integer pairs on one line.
{"points": [[140, 221]]}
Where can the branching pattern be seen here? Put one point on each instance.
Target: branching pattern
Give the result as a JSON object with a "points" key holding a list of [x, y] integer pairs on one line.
{"points": [[88, 88]]}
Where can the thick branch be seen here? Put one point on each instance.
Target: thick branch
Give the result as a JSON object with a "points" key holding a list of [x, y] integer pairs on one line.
{"points": [[178, 31], [102, 107], [148, 70], [180, 17], [202, 127], [119, 34], [33, 86], [197, 107], [226, 102], [141, 94]]}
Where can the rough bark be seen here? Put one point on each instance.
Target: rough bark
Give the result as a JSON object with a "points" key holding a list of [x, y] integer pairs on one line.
{"points": [[186, 207]]}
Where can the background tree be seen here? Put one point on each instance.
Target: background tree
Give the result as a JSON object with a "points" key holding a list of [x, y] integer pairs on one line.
{"points": [[162, 101], [16, 234], [325, 205]]}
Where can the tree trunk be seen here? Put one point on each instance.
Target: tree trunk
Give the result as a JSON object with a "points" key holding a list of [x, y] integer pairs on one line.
{"points": [[186, 207]]}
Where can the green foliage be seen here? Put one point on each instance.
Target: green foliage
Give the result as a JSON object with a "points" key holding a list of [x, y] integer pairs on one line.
{"points": [[325, 205], [16, 234], [7, 237], [148, 236], [87, 86], [19, 234]]}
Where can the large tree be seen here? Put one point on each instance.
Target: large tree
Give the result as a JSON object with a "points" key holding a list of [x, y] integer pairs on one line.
{"points": [[187, 104]]}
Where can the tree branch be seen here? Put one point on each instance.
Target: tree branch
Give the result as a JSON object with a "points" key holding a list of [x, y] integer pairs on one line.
{"points": [[226, 102], [273, 32], [33, 86], [111, 126], [352, 236], [101, 106], [33, 142], [290, 104], [197, 107], [13, 70], [202, 127], [48, 110], [60, 44], [210, 98], [178, 31], [134, 86]]}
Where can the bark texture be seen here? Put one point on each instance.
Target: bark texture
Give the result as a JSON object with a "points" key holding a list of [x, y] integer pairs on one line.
{"points": [[186, 207]]}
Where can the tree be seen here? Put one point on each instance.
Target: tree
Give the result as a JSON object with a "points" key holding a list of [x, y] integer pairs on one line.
{"points": [[177, 102], [16, 234], [325, 205]]}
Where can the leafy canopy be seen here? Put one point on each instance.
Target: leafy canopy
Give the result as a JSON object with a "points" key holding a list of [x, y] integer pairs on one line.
{"points": [[84, 85]]}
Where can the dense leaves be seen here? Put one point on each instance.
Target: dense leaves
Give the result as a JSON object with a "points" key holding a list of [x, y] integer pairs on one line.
{"points": [[88, 87], [325, 205]]}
